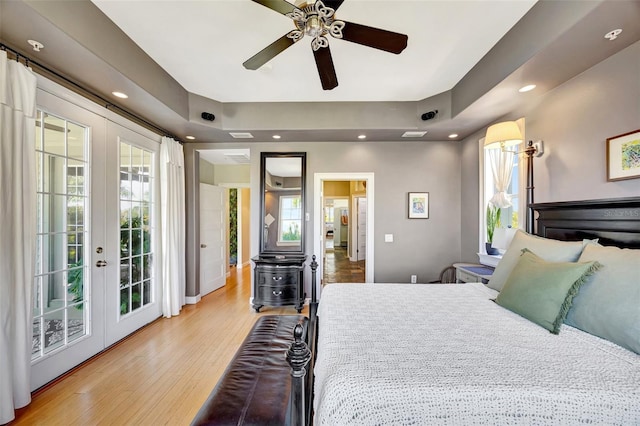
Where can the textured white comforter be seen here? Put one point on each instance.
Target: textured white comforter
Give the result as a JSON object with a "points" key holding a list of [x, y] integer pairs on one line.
{"points": [[400, 354]]}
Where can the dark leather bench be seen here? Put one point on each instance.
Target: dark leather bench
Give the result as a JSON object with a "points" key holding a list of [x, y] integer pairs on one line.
{"points": [[256, 386]]}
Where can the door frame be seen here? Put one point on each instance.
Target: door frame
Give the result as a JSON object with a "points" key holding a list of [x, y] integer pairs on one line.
{"points": [[48, 91], [355, 230], [318, 217]]}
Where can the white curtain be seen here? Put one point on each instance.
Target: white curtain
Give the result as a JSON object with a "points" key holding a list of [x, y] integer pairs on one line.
{"points": [[173, 230], [502, 169], [17, 232]]}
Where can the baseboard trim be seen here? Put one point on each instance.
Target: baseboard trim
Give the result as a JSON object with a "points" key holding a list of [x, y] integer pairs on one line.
{"points": [[192, 300]]}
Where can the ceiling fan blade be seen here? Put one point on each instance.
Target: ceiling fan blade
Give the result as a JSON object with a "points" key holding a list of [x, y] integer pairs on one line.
{"points": [[374, 37], [268, 53], [326, 71], [333, 4], [280, 6]]}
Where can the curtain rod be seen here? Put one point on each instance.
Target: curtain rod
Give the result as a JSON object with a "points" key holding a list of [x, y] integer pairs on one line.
{"points": [[85, 92]]}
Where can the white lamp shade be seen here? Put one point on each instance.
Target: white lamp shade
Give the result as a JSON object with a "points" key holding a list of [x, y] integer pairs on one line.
{"points": [[503, 134]]}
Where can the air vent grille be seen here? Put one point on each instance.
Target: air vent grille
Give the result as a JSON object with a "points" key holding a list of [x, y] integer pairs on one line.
{"points": [[415, 134], [241, 135], [238, 158]]}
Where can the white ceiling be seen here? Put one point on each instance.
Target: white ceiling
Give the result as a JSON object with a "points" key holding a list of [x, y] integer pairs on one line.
{"points": [[202, 44], [177, 59]]}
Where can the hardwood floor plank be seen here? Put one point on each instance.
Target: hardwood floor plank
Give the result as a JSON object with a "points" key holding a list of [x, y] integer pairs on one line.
{"points": [[160, 375]]}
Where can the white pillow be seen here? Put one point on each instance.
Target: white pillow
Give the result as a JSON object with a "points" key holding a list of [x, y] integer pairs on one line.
{"points": [[545, 248]]}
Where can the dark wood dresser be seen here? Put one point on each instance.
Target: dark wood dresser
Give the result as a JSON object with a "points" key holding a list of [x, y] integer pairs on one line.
{"points": [[278, 281]]}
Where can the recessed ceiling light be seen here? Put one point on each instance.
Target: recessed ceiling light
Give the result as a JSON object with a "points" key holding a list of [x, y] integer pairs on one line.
{"points": [[190, 137], [527, 88], [411, 134], [362, 136], [612, 35], [276, 136], [453, 135], [120, 95]]}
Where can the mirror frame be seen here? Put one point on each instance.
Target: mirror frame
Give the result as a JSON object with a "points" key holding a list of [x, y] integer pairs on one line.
{"points": [[263, 162]]}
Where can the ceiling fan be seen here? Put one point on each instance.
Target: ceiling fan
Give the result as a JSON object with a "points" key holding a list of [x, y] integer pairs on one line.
{"points": [[317, 20]]}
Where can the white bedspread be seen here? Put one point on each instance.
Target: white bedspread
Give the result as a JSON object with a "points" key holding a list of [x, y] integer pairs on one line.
{"points": [[410, 354]]}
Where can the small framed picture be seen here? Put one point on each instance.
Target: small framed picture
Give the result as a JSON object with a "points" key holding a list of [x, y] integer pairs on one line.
{"points": [[623, 156], [418, 205]]}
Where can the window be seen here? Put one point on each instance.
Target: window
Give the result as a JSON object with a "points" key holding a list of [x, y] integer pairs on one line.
{"points": [[509, 216], [290, 219]]}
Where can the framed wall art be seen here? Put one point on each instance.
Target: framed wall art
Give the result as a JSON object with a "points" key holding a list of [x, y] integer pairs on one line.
{"points": [[418, 205], [623, 156]]}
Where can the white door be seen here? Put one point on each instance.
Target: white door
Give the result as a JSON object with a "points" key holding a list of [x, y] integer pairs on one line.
{"points": [[83, 162], [133, 290], [68, 309], [213, 247], [362, 228]]}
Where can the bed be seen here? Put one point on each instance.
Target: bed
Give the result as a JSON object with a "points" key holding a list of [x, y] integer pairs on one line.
{"points": [[460, 354]]}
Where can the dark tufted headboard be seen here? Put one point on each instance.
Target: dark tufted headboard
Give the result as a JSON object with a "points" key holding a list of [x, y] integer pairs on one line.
{"points": [[615, 222]]}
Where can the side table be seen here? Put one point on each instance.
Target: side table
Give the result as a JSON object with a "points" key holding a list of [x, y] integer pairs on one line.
{"points": [[473, 273]]}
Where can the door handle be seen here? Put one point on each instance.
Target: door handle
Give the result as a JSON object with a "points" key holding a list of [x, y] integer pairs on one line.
{"points": [[203, 246], [101, 263]]}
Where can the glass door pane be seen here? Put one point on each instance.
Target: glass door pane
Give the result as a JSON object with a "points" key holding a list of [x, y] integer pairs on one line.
{"points": [[61, 281], [137, 178]]}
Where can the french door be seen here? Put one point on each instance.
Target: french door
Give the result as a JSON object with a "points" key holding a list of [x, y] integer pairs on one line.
{"points": [[96, 269], [132, 266]]}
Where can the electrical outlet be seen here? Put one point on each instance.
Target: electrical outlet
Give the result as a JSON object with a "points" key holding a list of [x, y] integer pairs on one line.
{"points": [[414, 279]]}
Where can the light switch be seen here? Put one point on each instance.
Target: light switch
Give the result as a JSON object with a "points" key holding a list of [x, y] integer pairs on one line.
{"points": [[388, 238]]}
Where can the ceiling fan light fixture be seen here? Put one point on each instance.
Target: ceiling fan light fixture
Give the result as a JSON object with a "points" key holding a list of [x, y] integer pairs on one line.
{"points": [[313, 27]]}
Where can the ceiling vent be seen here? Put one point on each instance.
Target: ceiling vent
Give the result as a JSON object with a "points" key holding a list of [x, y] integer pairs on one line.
{"points": [[238, 158], [241, 135], [414, 134]]}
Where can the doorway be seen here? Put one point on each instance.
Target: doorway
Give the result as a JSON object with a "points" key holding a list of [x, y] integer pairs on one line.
{"points": [[320, 221], [97, 268], [226, 171], [339, 264]]}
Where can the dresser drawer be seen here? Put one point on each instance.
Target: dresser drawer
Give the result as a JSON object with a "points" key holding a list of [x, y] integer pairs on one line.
{"points": [[277, 294], [280, 277]]}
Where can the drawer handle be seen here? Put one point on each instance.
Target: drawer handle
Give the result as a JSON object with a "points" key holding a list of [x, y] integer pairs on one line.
{"points": [[277, 293], [276, 278]]}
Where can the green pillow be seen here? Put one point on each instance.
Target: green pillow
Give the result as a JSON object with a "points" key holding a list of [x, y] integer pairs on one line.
{"points": [[542, 291], [548, 249], [608, 306]]}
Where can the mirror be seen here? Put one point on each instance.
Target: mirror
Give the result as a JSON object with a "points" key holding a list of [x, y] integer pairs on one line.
{"points": [[282, 183]]}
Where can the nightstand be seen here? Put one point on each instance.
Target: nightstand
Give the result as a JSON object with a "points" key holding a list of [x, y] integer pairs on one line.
{"points": [[472, 273]]}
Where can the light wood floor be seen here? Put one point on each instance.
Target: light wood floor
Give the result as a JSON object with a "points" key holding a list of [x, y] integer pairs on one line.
{"points": [[160, 375]]}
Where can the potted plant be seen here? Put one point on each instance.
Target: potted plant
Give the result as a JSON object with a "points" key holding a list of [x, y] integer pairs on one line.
{"points": [[493, 220]]}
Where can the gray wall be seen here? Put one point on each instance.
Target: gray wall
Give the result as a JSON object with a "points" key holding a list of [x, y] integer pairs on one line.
{"points": [[421, 246], [574, 120]]}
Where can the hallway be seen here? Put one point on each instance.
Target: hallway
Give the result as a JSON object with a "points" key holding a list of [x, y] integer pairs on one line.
{"points": [[339, 269]]}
